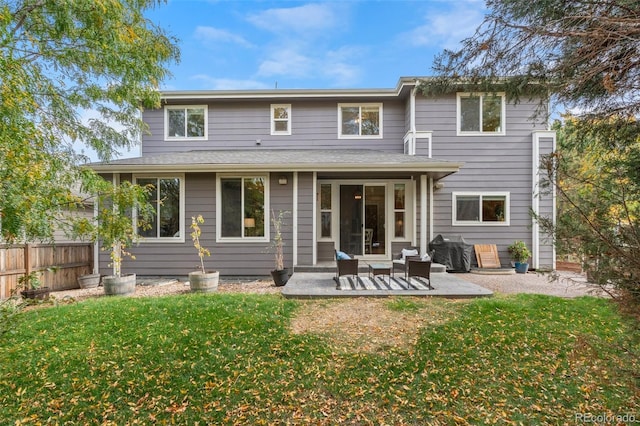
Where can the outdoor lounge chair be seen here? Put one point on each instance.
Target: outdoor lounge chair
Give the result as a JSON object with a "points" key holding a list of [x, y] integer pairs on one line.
{"points": [[346, 266], [400, 260], [419, 268]]}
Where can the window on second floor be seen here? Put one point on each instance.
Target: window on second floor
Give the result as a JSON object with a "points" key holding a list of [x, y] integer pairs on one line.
{"points": [[490, 208], [481, 114], [360, 120], [186, 122], [281, 119]]}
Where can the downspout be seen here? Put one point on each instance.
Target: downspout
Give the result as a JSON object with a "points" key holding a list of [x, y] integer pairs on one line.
{"points": [[295, 219], [314, 206], [423, 213], [535, 201]]}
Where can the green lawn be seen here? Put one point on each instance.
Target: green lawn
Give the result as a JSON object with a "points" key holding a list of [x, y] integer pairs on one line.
{"points": [[231, 359]]}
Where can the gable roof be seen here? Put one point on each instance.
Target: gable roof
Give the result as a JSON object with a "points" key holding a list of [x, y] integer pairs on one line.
{"points": [[282, 160]]}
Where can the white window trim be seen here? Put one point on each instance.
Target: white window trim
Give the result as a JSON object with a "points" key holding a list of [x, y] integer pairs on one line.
{"points": [[503, 117], [331, 211], [507, 208], [181, 238], [360, 105], [267, 209], [167, 108], [275, 132]]}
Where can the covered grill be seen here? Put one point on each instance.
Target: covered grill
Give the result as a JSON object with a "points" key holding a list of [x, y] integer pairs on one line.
{"points": [[452, 251]]}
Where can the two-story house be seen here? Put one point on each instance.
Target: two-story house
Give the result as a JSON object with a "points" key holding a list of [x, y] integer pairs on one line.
{"points": [[364, 171]]}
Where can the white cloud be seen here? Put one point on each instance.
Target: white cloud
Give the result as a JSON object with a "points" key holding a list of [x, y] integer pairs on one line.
{"points": [[303, 20], [446, 28], [287, 62], [215, 35]]}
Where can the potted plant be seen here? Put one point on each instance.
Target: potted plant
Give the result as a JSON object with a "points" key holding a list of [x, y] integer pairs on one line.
{"points": [[32, 286], [114, 227], [520, 254], [201, 281], [280, 274]]}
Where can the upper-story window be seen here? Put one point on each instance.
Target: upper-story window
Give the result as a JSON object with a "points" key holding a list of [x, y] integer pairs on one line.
{"points": [[281, 119], [360, 120], [480, 114], [186, 122]]}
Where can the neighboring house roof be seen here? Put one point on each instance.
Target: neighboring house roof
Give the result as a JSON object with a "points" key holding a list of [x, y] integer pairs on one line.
{"points": [[342, 160]]}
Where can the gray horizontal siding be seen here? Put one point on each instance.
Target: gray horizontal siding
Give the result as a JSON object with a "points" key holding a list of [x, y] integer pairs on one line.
{"points": [[242, 124], [492, 163], [230, 258]]}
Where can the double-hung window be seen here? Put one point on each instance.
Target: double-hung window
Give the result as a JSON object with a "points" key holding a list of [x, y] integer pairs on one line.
{"points": [[360, 120], [167, 199], [481, 114], [186, 122], [242, 208], [491, 208], [281, 119]]}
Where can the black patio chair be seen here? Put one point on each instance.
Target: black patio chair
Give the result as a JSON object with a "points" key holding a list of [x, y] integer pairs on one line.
{"points": [[346, 266], [419, 268]]}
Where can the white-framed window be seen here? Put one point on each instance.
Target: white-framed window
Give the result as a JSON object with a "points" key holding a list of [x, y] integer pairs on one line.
{"points": [[167, 199], [280, 119], [360, 120], [326, 195], [242, 206], [481, 208], [185, 122], [399, 210], [481, 114]]}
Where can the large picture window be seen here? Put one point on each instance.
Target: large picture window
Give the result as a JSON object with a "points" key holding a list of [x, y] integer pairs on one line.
{"points": [[186, 122], [480, 114], [166, 198], [357, 121], [481, 208], [242, 207]]}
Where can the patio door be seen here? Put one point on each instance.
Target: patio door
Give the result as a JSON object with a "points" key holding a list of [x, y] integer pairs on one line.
{"points": [[363, 219]]}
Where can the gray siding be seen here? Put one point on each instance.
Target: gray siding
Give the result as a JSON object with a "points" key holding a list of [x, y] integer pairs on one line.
{"points": [[241, 124], [305, 218], [230, 258], [492, 163]]}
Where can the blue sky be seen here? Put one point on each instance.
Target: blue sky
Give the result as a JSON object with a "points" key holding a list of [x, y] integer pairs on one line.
{"points": [[252, 44]]}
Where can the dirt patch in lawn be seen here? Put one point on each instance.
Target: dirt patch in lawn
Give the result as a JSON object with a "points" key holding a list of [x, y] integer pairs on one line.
{"points": [[371, 325]]}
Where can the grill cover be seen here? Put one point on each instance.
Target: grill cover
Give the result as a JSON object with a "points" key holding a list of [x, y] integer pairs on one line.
{"points": [[452, 251]]}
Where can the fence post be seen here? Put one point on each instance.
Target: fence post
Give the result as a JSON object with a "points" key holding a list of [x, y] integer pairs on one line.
{"points": [[27, 259]]}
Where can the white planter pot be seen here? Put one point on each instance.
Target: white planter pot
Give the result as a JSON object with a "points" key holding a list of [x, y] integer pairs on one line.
{"points": [[204, 282], [119, 286]]}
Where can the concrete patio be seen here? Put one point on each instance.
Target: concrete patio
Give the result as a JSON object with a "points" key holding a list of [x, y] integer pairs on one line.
{"points": [[304, 285]]}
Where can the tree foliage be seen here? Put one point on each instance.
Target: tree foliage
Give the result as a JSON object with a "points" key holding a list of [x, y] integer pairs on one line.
{"points": [[583, 55], [57, 60], [596, 174]]}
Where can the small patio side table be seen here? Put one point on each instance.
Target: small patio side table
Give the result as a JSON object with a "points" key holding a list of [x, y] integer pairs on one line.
{"points": [[379, 269]]}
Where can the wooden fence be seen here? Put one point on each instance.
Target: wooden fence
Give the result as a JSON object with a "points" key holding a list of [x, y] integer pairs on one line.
{"points": [[59, 264]]}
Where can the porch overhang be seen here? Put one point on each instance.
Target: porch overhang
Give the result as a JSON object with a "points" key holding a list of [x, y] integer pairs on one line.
{"points": [[282, 160]]}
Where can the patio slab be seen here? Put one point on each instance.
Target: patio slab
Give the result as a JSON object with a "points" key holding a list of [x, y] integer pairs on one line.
{"points": [[307, 285]]}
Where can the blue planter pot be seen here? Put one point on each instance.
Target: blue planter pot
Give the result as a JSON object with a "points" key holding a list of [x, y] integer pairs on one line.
{"points": [[522, 268]]}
